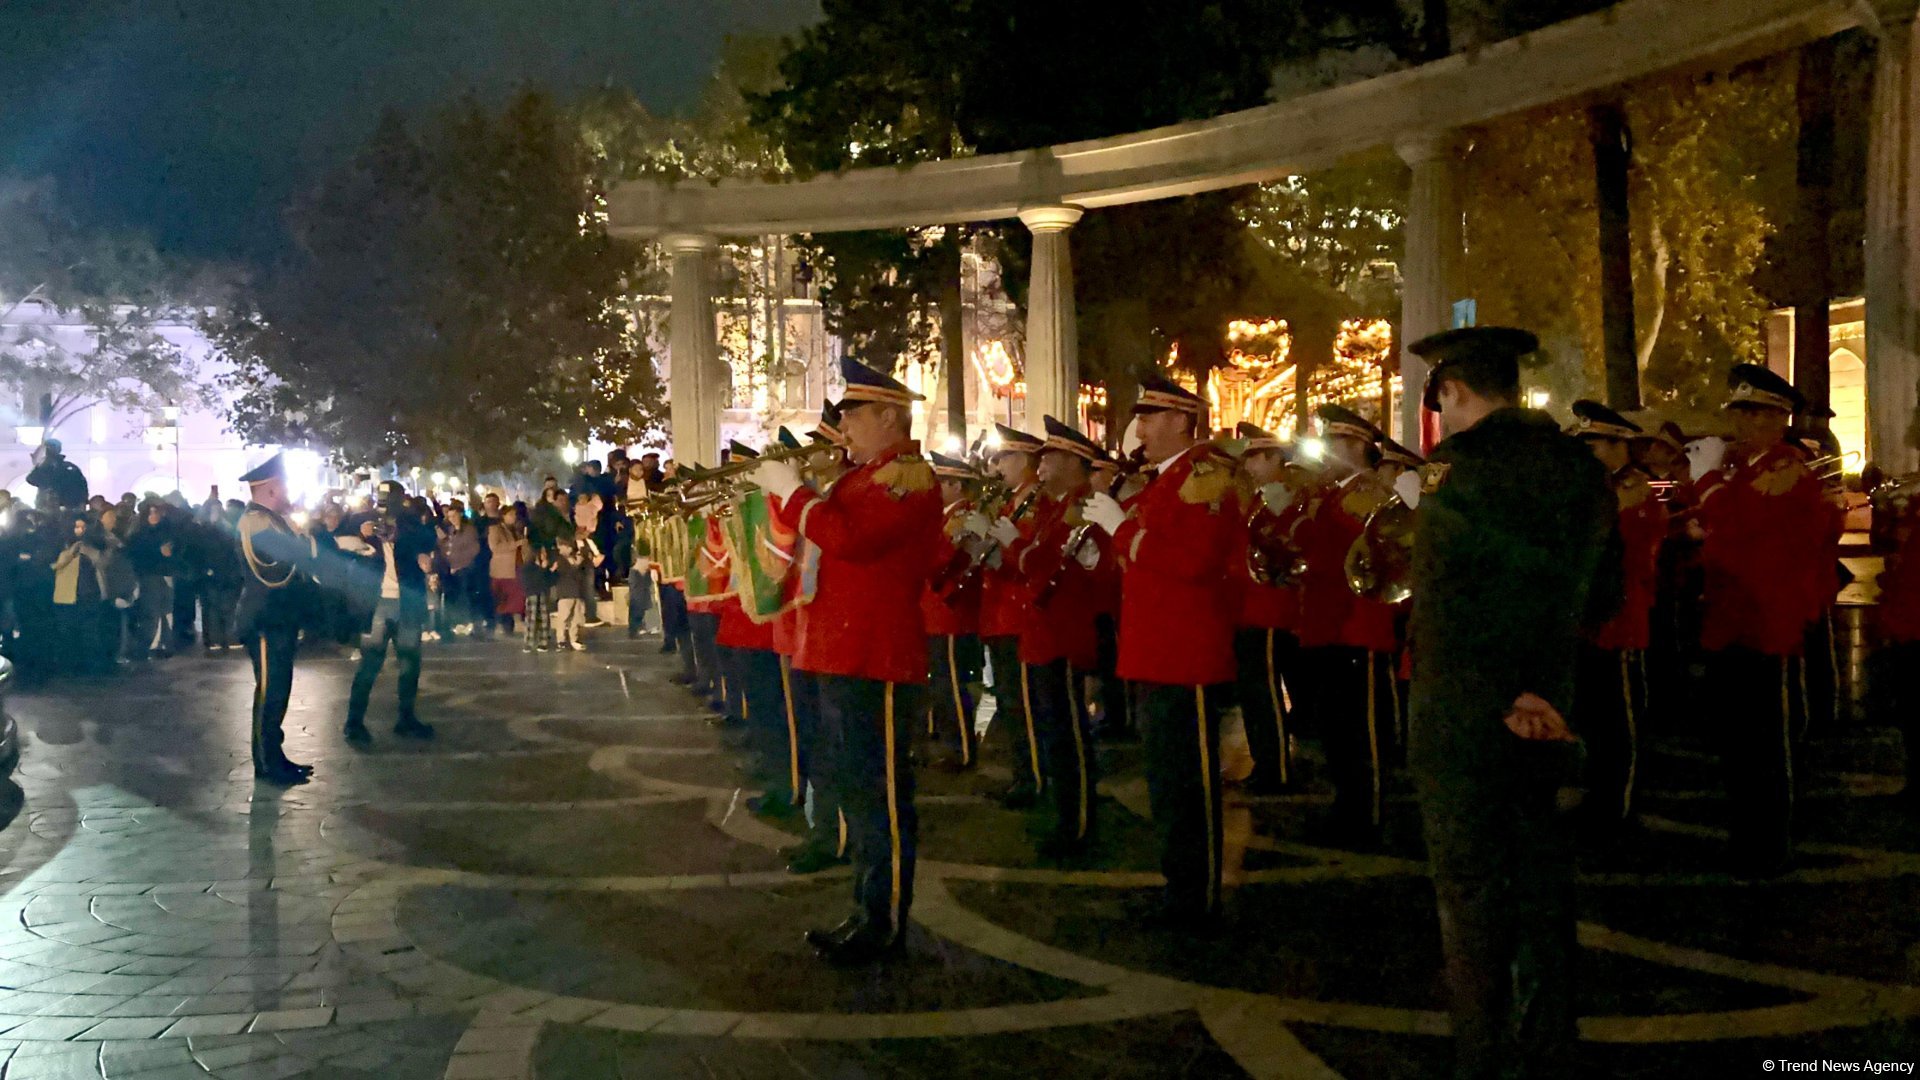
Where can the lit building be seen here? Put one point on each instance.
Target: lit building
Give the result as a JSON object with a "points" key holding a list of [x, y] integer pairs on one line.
{"points": [[186, 447]]}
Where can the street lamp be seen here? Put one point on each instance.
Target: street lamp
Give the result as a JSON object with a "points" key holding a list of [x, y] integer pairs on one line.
{"points": [[30, 434], [570, 454], [1537, 399]]}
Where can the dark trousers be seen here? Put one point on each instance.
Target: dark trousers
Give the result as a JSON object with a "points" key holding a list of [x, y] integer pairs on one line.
{"points": [[705, 630], [1011, 716], [1502, 864], [217, 602], [673, 612], [461, 596], [1354, 695], [1180, 728], [1265, 657], [818, 751], [1057, 694], [1115, 717], [953, 665], [272, 651], [1754, 733], [186, 594], [404, 634], [733, 696], [764, 708], [875, 723], [1816, 701], [1608, 702], [639, 602], [1893, 699]]}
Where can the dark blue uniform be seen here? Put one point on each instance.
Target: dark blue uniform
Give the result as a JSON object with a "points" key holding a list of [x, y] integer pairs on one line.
{"points": [[274, 600]]}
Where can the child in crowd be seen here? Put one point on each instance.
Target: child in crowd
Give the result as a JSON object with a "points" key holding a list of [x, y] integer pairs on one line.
{"points": [[639, 588], [573, 579]]}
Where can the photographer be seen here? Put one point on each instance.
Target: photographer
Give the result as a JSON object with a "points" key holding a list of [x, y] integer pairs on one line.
{"points": [[402, 552]]}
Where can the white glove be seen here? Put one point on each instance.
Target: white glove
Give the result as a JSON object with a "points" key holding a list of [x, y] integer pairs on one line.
{"points": [[1103, 510], [1004, 531], [1088, 556], [976, 523], [1407, 486], [1277, 496], [1705, 456], [777, 478]]}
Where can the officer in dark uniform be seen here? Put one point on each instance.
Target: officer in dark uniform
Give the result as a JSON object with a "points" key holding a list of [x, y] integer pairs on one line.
{"points": [[403, 547], [1514, 520], [274, 599]]}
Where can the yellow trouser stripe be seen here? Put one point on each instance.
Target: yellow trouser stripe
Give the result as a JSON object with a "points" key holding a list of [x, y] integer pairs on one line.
{"points": [[842, 849], [1206, 794], [1079, 750], [793, 728], [1033, 743], [1279, 710], [959, 708], [1373, 738], [1786, 727], [1633, 737], [893, 817]]}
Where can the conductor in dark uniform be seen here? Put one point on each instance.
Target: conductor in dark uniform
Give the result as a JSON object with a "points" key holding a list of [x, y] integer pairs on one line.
{"points": [[1514, 522], [274, 600]]}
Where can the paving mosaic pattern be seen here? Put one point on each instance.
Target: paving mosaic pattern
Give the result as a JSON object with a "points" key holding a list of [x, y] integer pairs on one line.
{"points": [[566, 884]]}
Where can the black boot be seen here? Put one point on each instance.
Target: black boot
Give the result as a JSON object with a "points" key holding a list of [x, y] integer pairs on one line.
{"points": [[410, 727], [357, 733]]}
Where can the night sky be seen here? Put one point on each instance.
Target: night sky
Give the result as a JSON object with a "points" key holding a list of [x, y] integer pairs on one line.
{"points": [[196, 119]]}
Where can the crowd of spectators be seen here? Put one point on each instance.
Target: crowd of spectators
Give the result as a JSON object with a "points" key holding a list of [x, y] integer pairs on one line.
{"points": [[88, 586]]}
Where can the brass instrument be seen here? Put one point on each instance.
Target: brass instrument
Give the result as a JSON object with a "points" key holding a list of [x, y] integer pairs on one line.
{"points": [[1082, 533], [733, 469], [1380, 563], [971, 558], [1271, 557]]}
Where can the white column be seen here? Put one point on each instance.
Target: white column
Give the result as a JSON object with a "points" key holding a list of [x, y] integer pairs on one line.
{"points": [[694, 377], [1430, 272], [1893, 249], [1053, 339]]}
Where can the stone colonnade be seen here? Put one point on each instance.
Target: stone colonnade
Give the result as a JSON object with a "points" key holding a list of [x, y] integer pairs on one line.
{"points": [[1112, 172]]}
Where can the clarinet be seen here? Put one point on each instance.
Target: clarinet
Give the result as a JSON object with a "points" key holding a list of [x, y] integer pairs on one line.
{"points": [[976, 561], [1077, 541]]}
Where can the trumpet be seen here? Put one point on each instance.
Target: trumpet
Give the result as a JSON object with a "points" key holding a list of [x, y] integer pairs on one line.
{"points": [[733, 469]]}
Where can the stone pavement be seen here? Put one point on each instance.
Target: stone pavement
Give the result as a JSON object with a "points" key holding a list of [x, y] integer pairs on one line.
{"points": [[565, 884]]}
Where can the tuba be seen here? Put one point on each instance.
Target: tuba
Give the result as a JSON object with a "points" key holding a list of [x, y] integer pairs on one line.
{"points": [[1272, 559], [1380, 562]]}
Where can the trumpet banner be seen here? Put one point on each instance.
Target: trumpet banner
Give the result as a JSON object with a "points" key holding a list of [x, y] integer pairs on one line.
{"points": [[762, 552]]}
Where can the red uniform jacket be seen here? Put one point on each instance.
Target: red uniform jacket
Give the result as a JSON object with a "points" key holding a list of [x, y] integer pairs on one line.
{"points": [[1272, 607], [1765, 555], [873, 531], [1064, 626], [1643, 528], [1182, 549], [1005, 597], [958, 612], [1330, 614]]}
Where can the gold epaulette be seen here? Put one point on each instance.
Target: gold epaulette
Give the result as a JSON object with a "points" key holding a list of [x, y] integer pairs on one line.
{"points": [[1211, 479], [1780, 477], [1632, 490], [905, 475], [1432, 475]]}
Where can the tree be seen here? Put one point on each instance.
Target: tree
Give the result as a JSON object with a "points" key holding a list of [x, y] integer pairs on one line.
{"points": [[115, 286], [1700, 224], [880, 82], [453, 297]]}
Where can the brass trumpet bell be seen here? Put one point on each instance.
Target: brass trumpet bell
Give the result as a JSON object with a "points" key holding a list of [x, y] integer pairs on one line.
{"points": [[1379, 565]]}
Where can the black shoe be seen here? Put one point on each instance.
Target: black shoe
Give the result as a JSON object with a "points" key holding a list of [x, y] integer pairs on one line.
{"points": [[777, 807], [411, 728], [807, 859], [871, 942], [668, 647], [679, 680], [282, 775], [1019, 798], [1263, 784], [288, 763], [357, 733], [827, 939]]}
